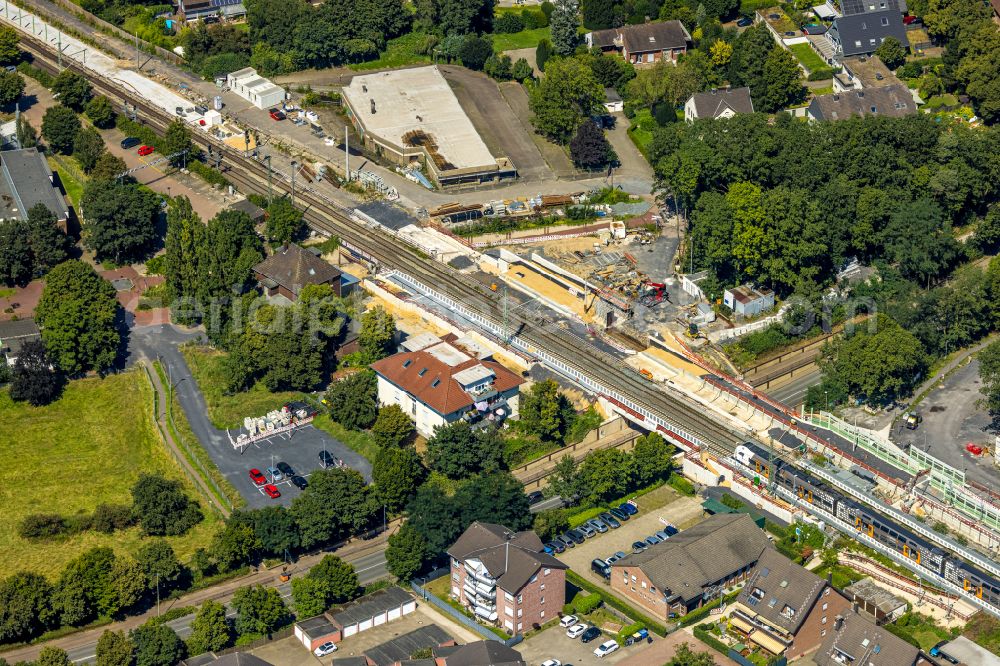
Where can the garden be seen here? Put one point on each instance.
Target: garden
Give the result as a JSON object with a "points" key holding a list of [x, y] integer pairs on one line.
{"points": [[809, 59]]}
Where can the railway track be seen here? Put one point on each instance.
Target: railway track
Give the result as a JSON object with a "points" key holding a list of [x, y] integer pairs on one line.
{"points": [[383, 250]]}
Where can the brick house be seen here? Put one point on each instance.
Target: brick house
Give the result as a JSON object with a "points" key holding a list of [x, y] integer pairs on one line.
{"points": [[675, 577], [784, 608], [506, 577], [643, 44], [290, 268], [855, 640]]}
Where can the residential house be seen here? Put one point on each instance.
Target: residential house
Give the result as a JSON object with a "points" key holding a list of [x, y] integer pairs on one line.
{"points": [[964, 651], [861, 32], [13, 335], [874, 602], [747, 301], [716, 103], [675, 577], [855, 640], [894, 101], [506, 577], [231, 659], [995, 6], [643, 44], [28, 181], [290, 268], [360, 615], [784, 608], [863, 73], [254, 88], [438, 383], [198, 10]]}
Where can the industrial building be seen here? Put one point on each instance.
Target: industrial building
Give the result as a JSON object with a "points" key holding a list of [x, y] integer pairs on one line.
{"points": [[27, 181], [254, 88], [412, 116]]}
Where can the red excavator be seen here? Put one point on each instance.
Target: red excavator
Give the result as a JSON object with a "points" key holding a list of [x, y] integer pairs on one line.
{"points": [[653, 293]]}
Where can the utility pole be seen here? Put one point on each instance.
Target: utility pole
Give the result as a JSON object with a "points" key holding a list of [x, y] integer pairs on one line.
{"points": [[295, 167], [267, 159], [157, 594], [137, 65], [347, 152]]}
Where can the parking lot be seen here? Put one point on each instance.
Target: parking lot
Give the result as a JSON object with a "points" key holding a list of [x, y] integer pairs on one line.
{"points": [[553, 643]]}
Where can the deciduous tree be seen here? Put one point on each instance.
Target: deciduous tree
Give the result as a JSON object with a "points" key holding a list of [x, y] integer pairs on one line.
{"points": [[114, 648], [396, 474], [457, 451], [11, 86], [164, 509], [377, 336], [160, 565], [72, 89], [120, 219], [25, 606], [234, 545], [260, 610], [88, 146], [284, 221], [59, 127], [589, 148], [475, 51], [211, 630], [157, 645], [10, 50], [393, 426], [564, 97], [100, 112], [352, 400], [53, 656], [406, 553], [335, 505], [891, 52]]}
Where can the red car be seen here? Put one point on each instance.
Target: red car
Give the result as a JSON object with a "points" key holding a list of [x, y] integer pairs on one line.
{"points": [[277, 114], [271, 491], [145, 150], [257, 477]]}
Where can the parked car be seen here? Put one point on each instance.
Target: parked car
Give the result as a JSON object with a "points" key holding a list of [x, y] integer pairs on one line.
{"points": [[630, 509], [652, 540], [551, 662], [566, 540], [535, 497], [610, 520], [325, 459], [257, 477], [600, 567], [130, 142], [271, 491], [300, 482], [590, 634], [276, 114], [639, 546], [285, 469], [744, 22], [576, 535], [179, 111], [661, 535], [576, 630], [620, 555], [145, 150], [606, 648], [671, 530], [611, 560], [619, 514], [555, 547], [275, 474], [587, 530], [326, 648], [568, 621], [202, 110], [598, 525]]}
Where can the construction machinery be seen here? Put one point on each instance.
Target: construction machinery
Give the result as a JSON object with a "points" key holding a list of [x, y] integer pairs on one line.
{"points": [[653, 293]]}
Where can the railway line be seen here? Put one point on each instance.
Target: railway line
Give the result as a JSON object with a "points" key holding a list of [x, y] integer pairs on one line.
{"points": [[384, 251]]}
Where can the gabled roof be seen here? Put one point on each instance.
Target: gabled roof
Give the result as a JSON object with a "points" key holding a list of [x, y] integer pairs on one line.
{"points": [[869, 71], [239, 659], [429, 375], [679, 565], [292, 267], [654, 36], [864, 643], [604, 39], [894, 101], [27, 180], [856, 32], [713, 103], [480, 653], [781, 592], [512, 558]]}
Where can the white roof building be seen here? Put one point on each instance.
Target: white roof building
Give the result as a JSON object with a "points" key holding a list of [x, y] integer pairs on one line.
{"points": [[254, 88]]}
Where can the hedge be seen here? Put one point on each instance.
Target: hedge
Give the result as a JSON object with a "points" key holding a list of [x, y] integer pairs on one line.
{"points": [[617, 603], [37, 74], [628, 631], [711, 641], [822, 73], [587, 603], [699, 614], [580, 517], [681, 484]]}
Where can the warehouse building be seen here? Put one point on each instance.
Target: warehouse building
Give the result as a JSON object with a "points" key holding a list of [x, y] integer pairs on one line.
{"points": [[254, 88]]}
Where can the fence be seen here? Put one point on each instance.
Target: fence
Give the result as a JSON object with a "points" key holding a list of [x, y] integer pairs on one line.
{"points": [[454, 613]]}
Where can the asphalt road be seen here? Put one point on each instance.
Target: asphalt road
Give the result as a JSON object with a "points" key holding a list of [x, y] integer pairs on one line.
{"points": [[369, 568], [300, 448]]}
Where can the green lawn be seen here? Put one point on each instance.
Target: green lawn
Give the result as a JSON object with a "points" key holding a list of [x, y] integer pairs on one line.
{"points": [[805, 55], [228, 411], [360, 442], [526, 39], [71, 178], [88, 447], [399, 52], [641, 130]]}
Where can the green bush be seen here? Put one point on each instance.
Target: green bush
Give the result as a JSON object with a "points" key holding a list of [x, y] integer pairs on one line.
{"points": [[823, 73], [699, 614], [681, 485], [628, 631], [37, 74], [707, 638], [587, 603], [42, 526], [580, 517], [616, 603], [207, 173]]}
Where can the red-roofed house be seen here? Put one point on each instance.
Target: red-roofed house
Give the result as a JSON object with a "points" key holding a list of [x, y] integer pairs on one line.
{"points": [[437, 383]]}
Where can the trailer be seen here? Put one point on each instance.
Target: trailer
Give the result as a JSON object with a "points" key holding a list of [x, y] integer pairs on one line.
{"points": [[289, 417]]}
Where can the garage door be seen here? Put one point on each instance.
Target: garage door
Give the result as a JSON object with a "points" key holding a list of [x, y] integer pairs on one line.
{"points": [[350, 630], [409, 607], [395, 613], [364, 625], [301, 635], [379, 619]]}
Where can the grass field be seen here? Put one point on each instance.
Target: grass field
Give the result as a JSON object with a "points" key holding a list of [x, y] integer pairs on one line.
{"points": [[71, 180], [399, 52], [525, 39], [641, 131], [360, 442], [228, 411], [88, 447], [805, 55]]}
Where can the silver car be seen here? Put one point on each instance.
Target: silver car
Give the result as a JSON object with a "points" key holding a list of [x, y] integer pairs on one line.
{"points": [[598, 525], [587, 530]]}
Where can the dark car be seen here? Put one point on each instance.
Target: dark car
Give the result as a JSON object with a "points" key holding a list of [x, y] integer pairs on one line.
{"points": [[201, 109], [639, 546], [276, 114], [610, 520], [535, 497], [744, 22], [325, 459], [300, 482], [130, 142], [601, 568], [576, 536], [671, 530], [556, 546], [590, 634], [630, 509], [619, 514], [653, 540], [285, 469]]}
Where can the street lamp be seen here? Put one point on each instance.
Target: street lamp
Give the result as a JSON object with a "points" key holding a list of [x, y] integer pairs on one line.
{"points": [[295, 166], [826, 394]]}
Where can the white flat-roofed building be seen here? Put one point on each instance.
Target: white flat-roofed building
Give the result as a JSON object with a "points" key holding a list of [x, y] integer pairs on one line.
{"points": [[412, 115], [257, 90]]}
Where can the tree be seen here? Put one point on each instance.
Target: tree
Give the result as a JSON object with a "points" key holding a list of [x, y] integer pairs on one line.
{"points": [[308, 597], [604, 475], [284, 221], [121, 219], [114, 648], [521, 70], [564, 481], [684, 656], [334, 505], [11, 87], [157, 645], [163, 507], [392, 427], [260, 610], [10, 51], [53, 656], [377, 337], [100, 112], [542, 53], [275, 530], [567, 95], [564, 24], [550, 523], [989, 375], [457, 451], [499, 67], [16, 266], [460, 17], [721, 52], [49, 245], [108, 167], [987, 235], [77, 314], [891, 52], [475, 51], [72, 89], [234, 545], [396, 474], [652, 459], [88, 146], [589, 148], [352, 400], [176, 140], [26, 135], [211, 630], [128, 582], [59, 127], [85, 587], [160, 565], [545, 411], [782, 86], [598, 14], [496, 498], [336, 578], [406, 553], [25, 606]]}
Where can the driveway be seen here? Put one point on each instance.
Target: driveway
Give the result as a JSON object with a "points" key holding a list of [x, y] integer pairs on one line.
{"points": [[633, 165], [299, 448]]}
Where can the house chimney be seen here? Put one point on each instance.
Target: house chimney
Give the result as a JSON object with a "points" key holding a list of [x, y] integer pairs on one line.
{"points": [[838, 623]]}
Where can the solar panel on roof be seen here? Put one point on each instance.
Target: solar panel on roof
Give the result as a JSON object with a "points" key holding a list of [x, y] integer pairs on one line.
{"points": [[226, 3]]}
